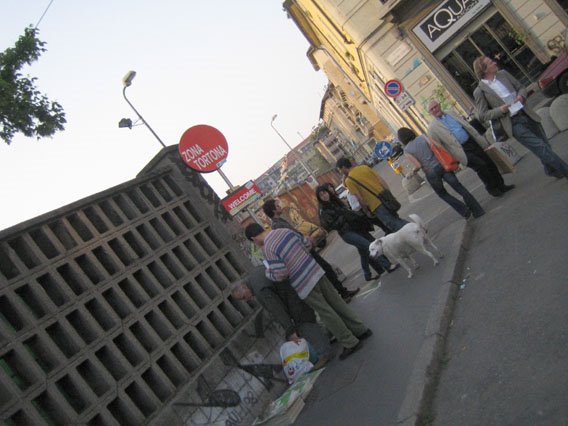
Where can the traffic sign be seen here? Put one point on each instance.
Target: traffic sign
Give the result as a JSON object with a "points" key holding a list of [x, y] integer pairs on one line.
{"points": [[393, 88], [383, 150], [404, 101], [203, 148]]}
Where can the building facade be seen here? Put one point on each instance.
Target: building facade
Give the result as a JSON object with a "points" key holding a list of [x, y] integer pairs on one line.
{"points": [[429, 46]]}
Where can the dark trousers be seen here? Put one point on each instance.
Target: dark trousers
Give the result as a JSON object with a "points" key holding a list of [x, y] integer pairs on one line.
{"points": [[329, 272], [484, 166], [531, 134], [436, 178]]}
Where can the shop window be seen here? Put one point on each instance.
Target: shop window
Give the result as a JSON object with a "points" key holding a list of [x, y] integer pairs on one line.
{"points": [[497, 39]]}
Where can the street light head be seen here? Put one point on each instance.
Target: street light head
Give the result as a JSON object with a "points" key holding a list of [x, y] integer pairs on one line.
{"points": [[127, 79], [125, 122], [274, 117]]}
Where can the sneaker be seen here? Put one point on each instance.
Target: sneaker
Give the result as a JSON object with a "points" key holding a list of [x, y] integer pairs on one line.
{"points": [[348, 351], [368, 333]]}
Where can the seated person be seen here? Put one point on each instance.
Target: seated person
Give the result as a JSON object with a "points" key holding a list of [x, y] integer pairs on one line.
{"points": [[284, 305]]}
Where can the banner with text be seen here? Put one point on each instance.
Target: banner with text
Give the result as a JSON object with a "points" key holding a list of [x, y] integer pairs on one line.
{"points": [[243, 197]]}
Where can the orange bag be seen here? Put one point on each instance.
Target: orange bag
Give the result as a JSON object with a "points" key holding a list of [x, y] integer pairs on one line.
{"points": [[448, 162]]}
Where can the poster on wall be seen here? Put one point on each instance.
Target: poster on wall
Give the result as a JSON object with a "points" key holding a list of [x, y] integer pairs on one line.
{"points": [[444, 21]]}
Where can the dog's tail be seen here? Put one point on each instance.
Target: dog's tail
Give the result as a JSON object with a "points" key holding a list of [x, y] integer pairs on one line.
{"points": [[417, 220]]}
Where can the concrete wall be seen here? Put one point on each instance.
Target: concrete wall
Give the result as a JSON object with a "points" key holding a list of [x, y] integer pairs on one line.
{"points": [[116, 309]]}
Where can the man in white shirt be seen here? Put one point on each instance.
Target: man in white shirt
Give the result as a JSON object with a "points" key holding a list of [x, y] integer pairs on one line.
{"points": [[500, 96]]}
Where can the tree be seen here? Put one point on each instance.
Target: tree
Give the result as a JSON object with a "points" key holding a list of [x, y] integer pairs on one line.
{"points": [[22, 107]]}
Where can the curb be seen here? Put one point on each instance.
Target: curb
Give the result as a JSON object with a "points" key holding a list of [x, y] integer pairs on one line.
{"points": [[425, 372]]}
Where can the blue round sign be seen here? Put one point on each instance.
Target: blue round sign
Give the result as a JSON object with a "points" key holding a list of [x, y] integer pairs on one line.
{"points": [[383, 150], [393, 88]]}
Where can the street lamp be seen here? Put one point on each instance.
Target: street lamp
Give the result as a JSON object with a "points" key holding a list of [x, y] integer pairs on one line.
{"points": [[288, 145], [125, 122]]}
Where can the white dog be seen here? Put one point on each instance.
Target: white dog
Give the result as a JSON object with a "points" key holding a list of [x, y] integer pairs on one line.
{"points": [[399, 246]]}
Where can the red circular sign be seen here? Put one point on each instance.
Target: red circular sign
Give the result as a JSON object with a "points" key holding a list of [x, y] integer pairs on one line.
{"points": [[203, 148], [393, 88]]}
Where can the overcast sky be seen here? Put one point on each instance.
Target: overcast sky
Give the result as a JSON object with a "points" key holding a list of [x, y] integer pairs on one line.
{"points": [[226, 63]]}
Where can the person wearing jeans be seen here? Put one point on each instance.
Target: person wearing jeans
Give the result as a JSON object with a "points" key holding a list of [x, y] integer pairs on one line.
{"points": [[353, 228], [500, 96], [364, 183], [417, 150]]}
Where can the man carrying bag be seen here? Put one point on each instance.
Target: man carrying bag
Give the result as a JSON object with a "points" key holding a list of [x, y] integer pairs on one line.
{"points": [[372, 192]]}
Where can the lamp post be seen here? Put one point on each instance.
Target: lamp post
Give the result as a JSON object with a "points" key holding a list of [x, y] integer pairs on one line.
{"points": [[127, 81], [288, 145]]}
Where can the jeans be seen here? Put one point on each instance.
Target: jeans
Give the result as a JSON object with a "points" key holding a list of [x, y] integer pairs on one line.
{"points": [[530, 134], [361, 242], [436, 178], [390, 219]]}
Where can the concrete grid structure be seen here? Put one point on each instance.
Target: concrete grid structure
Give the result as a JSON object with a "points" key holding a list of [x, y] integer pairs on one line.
{"points": [[111, 307]]}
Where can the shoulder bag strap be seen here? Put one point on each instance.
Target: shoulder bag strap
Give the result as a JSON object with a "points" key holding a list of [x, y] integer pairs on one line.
{"points": [[363, 186]]}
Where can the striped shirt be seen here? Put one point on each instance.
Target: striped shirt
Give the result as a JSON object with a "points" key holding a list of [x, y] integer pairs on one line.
{"points": [[287, 254]]}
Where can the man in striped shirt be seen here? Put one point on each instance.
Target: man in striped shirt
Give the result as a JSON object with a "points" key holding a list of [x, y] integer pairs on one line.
{"points": [[287, 257]]}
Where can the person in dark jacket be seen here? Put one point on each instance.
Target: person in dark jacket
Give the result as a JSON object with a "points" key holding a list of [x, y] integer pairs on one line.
{"points": [[353, 228]]}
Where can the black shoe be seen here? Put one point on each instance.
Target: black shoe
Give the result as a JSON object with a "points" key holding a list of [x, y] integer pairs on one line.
{"points": [[478, 214], [506, 188], [393, 267], [347, 295], [368, 333], [348, 351], [373, 278], [556, 174], [350, 293], [496, 192]]}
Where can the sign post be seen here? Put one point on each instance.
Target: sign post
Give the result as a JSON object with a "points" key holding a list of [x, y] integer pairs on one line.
{"points": [[204, 149]]}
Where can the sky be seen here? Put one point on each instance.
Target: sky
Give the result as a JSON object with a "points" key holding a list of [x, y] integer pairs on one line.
{"points": [[225, 63]]}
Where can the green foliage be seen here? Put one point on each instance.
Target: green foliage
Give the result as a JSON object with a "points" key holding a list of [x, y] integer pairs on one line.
{"points": [[23, 108], [440, 94]]}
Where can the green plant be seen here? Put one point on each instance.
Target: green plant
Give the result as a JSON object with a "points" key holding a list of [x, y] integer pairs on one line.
{"points": [[440, 94], [518, 37]]}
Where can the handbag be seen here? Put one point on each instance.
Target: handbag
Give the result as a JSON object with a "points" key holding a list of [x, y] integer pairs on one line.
{"points": [[385, 197], [448, 162]]}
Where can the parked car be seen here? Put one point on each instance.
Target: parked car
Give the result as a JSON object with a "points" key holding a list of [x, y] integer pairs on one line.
{"points": [[554, 80]]}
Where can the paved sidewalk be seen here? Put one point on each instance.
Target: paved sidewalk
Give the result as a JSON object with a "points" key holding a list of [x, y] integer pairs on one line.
{"points": [[506, 359], [501, 291]]}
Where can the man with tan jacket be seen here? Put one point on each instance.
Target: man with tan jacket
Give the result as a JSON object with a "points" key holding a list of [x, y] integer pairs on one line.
{"points": [[500, 96], [466, 145]]}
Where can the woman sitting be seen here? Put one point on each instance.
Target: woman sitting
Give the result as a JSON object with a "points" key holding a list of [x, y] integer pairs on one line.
{"points": [[417, 150], [353, 228]]}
